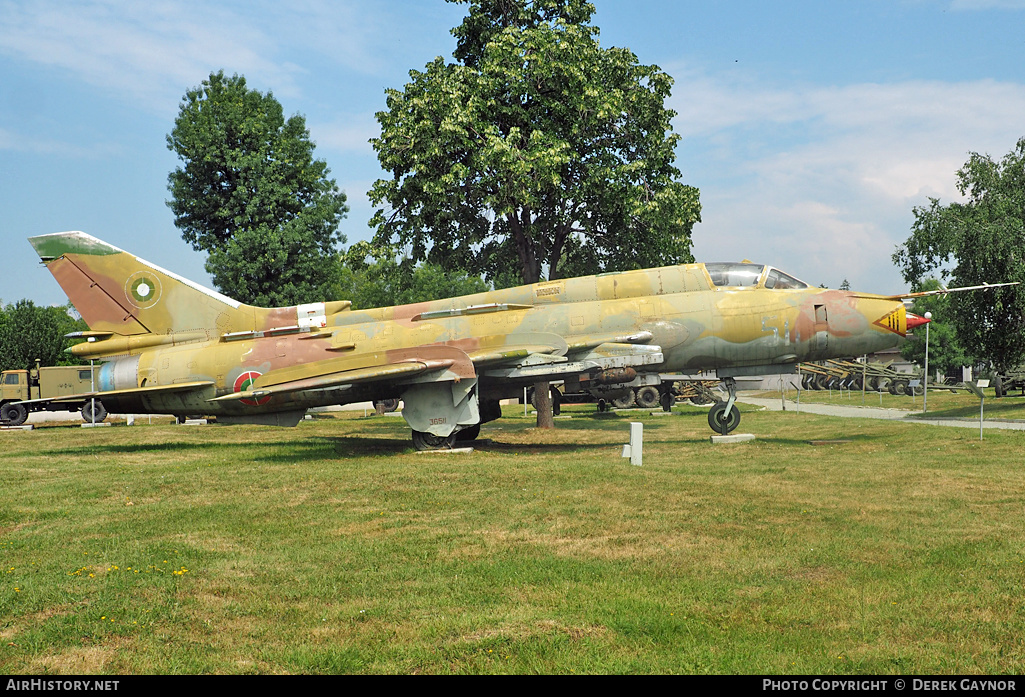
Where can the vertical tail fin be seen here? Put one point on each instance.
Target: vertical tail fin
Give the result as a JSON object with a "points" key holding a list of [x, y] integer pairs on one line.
{"points": [[117, 292]]}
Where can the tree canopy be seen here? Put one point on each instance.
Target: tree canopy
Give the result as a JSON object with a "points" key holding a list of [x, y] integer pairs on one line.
{"points": [[980, 240], [28, 332], [376, 277], [251, 195], [945, 351], [537, 150]]}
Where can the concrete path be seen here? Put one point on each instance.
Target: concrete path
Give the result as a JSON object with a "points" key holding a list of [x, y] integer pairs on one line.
{"points": [[868, 412]]}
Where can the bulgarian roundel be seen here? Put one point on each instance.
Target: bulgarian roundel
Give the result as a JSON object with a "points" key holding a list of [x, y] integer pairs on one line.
{"points": [[245, 382]]}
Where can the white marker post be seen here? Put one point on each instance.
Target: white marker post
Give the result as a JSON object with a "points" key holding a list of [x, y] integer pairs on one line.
{"points": [[635, 450]]}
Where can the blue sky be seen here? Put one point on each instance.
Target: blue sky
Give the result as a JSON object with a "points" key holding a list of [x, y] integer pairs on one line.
{"points": [[812, 129]]}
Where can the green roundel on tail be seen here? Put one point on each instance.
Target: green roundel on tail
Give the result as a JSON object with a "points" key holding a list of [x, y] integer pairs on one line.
{"points": [[143, 289]]}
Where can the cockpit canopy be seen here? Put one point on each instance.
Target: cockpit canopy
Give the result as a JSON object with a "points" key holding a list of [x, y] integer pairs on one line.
{"points": [[746, 275]]}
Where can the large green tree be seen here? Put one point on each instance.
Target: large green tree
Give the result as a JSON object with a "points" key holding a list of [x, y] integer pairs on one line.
{"points": [[251, 195], [28, 332], [537, 150], [945, 351], [980, 240]]}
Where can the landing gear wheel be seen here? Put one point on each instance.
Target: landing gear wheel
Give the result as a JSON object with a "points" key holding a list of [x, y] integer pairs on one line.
{"points": [[719, 422], [647, 397], [386, 405], [603, 406], [667, 400], [87, 412], [468, 434], [14, 414], [429, 441], [624, 402]]}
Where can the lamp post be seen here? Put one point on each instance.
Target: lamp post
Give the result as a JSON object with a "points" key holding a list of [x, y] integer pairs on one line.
{"points": [[925, 389]]}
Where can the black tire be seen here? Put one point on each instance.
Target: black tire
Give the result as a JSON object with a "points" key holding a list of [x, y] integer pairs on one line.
{"points": [[468, 434], [603, 406], [429, 441], [13, 414], [624, 402], [101, 411], [667, 401], [647, 397], [556, 399], [387, 405], [901, 388], [700, 401], [721, 424]]}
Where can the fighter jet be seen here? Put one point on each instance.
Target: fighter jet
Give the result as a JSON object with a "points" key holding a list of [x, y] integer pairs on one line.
{"points": [[171, 346]]}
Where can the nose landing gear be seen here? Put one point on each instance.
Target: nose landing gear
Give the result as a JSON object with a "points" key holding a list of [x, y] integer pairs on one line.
{"points": [[724, 417]]}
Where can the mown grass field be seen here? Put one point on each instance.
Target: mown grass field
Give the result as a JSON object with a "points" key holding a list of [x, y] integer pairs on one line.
{"points": [[333, 547]]}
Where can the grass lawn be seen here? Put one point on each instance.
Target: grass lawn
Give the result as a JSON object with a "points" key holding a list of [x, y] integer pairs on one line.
{"points": [[333, 547], [960, 404]]}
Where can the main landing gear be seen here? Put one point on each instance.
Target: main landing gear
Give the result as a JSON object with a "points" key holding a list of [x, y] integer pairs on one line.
{"points": [[724, 417], [429, 441]]}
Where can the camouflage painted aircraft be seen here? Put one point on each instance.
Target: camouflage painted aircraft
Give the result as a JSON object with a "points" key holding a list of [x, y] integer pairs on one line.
{"points": [[170, 346]]}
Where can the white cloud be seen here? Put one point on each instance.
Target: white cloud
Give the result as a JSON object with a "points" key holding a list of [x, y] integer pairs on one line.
{"points": [[149, 52], [145, 51], [351, 135], [823, 180]]}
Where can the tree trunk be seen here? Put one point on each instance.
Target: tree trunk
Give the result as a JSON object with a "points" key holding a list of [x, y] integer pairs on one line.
{"points": [[543, 404]]}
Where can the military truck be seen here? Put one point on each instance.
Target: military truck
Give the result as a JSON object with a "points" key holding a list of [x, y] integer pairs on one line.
{"points": [[25, 391], [1013, 379]]}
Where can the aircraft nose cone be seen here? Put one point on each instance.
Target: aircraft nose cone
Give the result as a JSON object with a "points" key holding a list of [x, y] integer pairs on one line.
{"points": [[916, 321]]}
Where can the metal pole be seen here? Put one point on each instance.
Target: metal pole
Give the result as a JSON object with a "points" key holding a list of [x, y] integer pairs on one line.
{"points": [[800, 388], [925, 389], [92, 385]]}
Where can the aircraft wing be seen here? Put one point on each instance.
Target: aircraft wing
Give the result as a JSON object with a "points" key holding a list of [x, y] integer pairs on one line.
{"points": [[419, 364], [590, 353], [149, 389]]}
